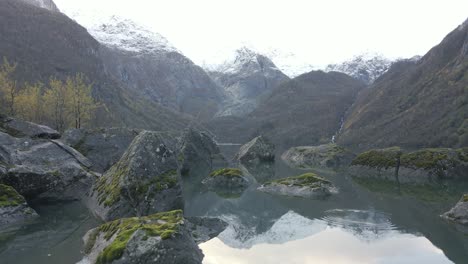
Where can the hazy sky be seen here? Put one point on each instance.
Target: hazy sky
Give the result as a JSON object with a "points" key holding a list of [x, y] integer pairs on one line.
{"points": [[321, 32]]}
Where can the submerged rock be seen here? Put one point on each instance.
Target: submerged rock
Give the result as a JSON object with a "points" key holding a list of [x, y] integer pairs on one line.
{"points": [[103, 146], [144, 181], [226, 179], [307, 185], [459, 213], [199, 153], [159, 238], [328, 155], [14, 210], [39, 168], [21, 128], [257, 150]]}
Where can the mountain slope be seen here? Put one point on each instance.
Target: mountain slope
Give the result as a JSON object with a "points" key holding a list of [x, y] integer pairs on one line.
{"points": [[246, 79], [47, 4], [365, 67], [150, 66], [415, 104], [46, 44], [306, 110]]}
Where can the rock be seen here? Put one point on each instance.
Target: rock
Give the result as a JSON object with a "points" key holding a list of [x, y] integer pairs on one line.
{"points": [[433, 164], [328, 155], [307, 185], [39, 168], [199, 154], [226, 179], [158, 238], [425, 166], [261, 172], [103, 147], [19, 128], [459, 213], [377, 163], [205, 228], [14, 210], [144, 181], [258, 149]]}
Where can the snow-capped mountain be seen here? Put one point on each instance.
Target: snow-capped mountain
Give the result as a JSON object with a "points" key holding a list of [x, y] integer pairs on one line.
{"points": [[150, 66], [365, 67], [47, 4], [124, 34], [246, 78], [290, 63]]}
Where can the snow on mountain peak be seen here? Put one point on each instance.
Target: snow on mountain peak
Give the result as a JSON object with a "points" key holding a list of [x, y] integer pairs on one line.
{"points": [[366, 67], [242, 58], [47, 4], [124, 34]]}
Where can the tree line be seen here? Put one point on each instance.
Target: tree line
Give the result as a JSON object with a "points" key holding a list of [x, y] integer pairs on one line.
{"points": [[60, 104]]}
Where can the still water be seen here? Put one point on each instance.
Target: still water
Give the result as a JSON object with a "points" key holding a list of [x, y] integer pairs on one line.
{"points": [[357, 225]]}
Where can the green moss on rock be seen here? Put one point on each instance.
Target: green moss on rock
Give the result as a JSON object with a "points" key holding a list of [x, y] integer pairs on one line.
{"points": [[162, 225], [425, 158], [465, 198], [9, 197], [305, 180], [379, 158], [228, 172]]}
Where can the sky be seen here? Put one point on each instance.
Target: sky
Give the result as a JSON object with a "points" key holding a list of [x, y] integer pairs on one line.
{"points": [[317, 32]]}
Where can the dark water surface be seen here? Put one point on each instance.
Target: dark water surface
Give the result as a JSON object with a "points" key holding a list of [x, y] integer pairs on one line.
{"points": [[361, 224]]}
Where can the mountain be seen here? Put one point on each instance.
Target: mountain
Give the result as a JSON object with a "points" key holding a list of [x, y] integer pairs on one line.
{"points": [[415, 104], [246, 79], [151, 67], [306, 110], [364, 67], [46, 44], [47, 4]]}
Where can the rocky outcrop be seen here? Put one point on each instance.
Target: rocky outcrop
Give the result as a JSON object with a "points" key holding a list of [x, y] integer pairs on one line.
{"points": [[420, 167], [46, 169], [103, 146], [204, 228], [257, 150], [459, 213], [199, 154], [158, 238], [328, 155], [21, 128], [226, 179], [144, 181], [13, 208], [377, 163], [307, 185]]}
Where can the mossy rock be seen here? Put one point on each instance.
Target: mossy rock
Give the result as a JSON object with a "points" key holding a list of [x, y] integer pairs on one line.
{"points": [[227, 172], [9, 197], [327, 155], [379, 158], [465, 198], [304, 180], [160, 238]]}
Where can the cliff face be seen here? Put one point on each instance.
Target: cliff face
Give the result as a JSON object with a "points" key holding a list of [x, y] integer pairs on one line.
{"points": [[416, 104]]}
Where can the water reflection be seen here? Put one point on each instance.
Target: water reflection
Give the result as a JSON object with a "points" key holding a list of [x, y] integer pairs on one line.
{"points": [[297, 239]]}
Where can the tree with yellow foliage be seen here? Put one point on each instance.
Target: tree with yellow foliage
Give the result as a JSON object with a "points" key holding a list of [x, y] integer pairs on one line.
{"points": [[8, 87], [82, 104]]}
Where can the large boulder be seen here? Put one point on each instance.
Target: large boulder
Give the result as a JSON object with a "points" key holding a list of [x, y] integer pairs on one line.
{"points": [[14, 210], [377, 163], [425, 166], [205, 228], [307, 185], [39, 168], [144, 181], [158, 238], [103, 146], [459, 213], [199, 153], [257, 150], [434, 164], [328, 155], [21, 128], [227, 178]]}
